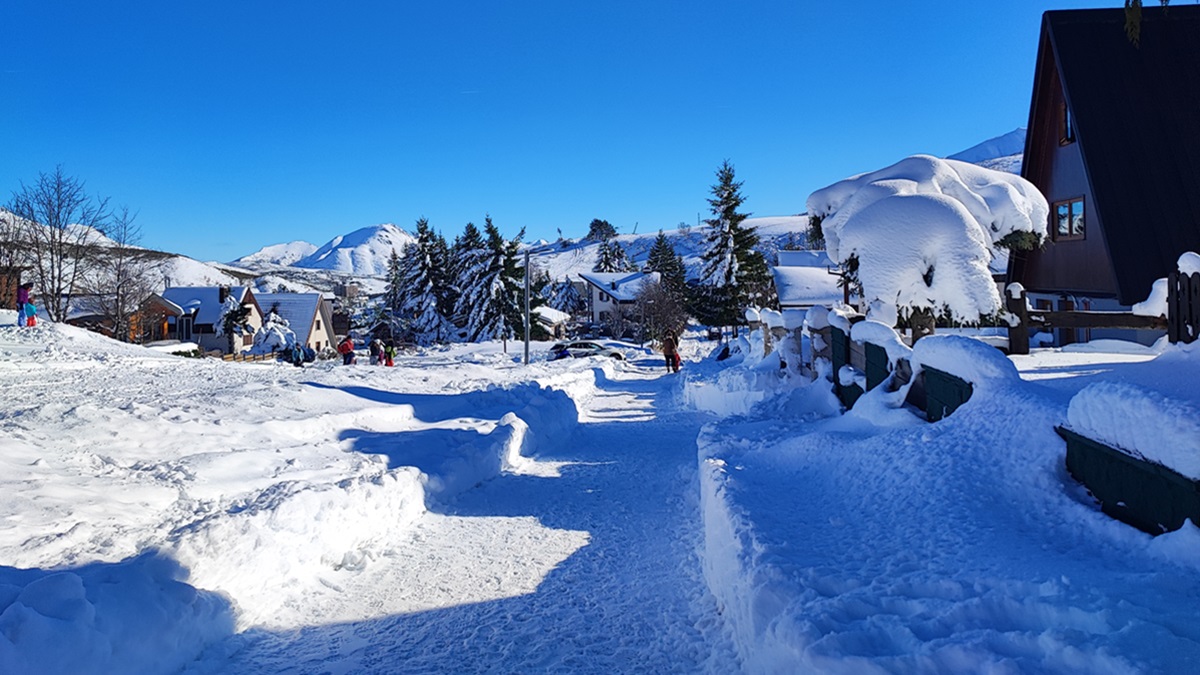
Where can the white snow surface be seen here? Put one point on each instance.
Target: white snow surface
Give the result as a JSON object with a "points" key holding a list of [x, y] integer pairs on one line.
{"points": [[463, 512], [163, 513], [925, 231], [875, 542]]}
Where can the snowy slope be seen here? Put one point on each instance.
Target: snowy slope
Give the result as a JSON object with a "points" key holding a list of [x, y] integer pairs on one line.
{"points": [[574, 257], [363, 252], [277, 254], [1008, 144]]}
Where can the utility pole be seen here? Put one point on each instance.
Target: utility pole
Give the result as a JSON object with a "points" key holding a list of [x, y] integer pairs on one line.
{"points": [[526, 306]]}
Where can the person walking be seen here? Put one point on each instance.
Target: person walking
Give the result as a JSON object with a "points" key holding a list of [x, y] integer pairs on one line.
{"points": [[346, 349], [670, 349], [389, 355], [23, 294]]}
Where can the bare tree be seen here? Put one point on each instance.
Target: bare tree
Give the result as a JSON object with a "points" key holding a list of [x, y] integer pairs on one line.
{"points": [[660, 311], [58, 225], [122, 277]]}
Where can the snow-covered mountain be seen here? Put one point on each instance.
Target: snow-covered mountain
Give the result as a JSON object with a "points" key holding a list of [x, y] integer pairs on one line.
{"points": [[363, 252], [277, 254], [1002, 153]]}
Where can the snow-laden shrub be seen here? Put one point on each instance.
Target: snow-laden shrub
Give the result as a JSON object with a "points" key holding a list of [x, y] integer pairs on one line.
{"points": [[921, 233], [275, 335]]}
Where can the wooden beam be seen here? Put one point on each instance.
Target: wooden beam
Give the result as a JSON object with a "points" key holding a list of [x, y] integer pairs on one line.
{"points": [[1080, 319]]}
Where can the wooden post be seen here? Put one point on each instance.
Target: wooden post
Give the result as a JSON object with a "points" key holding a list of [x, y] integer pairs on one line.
{"points": [[1018, 335]]}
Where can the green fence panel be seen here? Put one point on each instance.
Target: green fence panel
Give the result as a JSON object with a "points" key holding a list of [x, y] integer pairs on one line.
{"points": [[944, 393], [877, 365], [1143, 494]]}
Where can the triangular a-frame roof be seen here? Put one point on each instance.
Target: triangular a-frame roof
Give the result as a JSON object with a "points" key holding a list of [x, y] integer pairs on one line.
{"points": [[1136, 115]]}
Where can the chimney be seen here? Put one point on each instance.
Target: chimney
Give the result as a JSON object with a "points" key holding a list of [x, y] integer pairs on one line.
{"points": [[222, 294]]}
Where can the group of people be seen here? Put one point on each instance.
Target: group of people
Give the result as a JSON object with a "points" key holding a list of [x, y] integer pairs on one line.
{"points": [[26, 310], [381, 354]]}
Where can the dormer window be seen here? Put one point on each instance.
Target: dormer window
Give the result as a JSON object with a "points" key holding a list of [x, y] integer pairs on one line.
{"points": [[1067, 129]]}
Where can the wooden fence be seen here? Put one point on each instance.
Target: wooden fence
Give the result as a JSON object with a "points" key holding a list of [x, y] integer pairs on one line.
{"points": [[249, 357], [1183, 307], [1045, 320]]}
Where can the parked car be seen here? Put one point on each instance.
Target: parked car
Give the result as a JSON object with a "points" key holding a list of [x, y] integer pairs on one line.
{"points": [[580, 349]]}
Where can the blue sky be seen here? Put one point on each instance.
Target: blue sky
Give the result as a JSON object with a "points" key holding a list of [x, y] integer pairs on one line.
{"points": [[232, 125]]}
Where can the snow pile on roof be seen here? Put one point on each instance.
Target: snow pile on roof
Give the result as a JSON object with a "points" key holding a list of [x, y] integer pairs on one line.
{"points": [[622, 286], [925, 230], [204, 301], [803, 279]]}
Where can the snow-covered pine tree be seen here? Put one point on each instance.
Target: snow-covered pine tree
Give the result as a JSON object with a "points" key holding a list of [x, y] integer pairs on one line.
{"points": [[467, 247], [669, 265], [734, 273], [393, 291], [620, 257], [445, 284], [565, 297], [605, 261], [234, 320], [419, 281], [493, 285], [276, 334]]}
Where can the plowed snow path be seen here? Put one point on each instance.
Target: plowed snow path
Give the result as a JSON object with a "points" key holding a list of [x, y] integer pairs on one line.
{"points": [[594, 569]]}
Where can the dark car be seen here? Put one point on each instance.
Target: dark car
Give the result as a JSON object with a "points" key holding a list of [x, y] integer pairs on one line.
{"points": [[582, 348]]}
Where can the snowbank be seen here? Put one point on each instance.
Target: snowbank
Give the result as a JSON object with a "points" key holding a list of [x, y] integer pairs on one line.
{"points": [[1156, 303], [1141, 422], [135, 616], [971, 360]]}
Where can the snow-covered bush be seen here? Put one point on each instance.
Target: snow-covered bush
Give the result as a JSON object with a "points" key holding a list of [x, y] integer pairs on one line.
{"points": [[980, 364], [275, 335], [921, 234]]}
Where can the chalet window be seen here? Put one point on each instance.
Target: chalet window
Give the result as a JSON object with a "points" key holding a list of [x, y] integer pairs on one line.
{"points": [[604, 297], [1068, 220], [318, 324], [1067, 129]]}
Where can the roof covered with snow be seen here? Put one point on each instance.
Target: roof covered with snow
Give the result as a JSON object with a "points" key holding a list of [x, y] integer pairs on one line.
{"points": [[202, 301], [298, 309], [624, 286], [805, 286]]}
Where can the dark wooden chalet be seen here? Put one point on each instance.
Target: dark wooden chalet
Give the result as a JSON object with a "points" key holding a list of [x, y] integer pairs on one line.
{"points": [[1114, 145]]}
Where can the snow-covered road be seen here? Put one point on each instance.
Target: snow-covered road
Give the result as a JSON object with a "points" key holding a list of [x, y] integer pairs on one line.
{"points": [[586, 561]]}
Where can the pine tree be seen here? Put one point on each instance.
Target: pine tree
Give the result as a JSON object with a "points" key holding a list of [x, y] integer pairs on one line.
{"points": [[445, 284], [735, 274], [565, 297], [605, 261], [493, 284], [420, 302], [669, 265], [467, 246]]}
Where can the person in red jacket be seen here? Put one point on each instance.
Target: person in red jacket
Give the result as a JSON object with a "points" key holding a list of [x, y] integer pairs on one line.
{"points": [[346, 349]]}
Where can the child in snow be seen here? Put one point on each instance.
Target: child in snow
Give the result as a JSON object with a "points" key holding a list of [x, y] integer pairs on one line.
{"points": [[297, 355], [23, 297], [389, 355], [376, 351], [346, 349]]}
